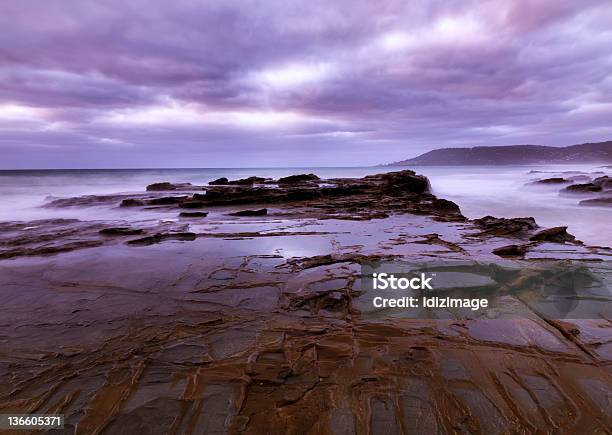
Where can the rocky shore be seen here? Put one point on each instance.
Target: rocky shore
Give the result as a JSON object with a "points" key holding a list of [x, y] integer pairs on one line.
{"points": [[291, 198], [241, 310]]}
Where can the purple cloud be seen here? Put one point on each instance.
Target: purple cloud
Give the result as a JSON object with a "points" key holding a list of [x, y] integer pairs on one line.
{"points": [[225, 83]]}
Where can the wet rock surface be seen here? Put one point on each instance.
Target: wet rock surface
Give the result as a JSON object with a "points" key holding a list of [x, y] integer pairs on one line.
{"points": [[254, 324]]}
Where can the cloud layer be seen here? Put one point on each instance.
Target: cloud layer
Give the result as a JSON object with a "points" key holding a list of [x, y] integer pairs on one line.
{"points": [[267, 83]]}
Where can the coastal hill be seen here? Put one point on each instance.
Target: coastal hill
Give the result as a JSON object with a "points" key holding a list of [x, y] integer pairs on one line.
{"points": [[514, 155]]}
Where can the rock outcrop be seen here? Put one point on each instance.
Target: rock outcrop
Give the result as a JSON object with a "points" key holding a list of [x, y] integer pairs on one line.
{"points": [[219, 182], [513, 227], [511, 251], [164, 186], [598, 184], [556, 235], [298, 179], [373, 196], [595, 185]]}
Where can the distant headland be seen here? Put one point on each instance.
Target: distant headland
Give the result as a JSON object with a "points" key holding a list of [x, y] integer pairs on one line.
{"points": [[514, 155]]}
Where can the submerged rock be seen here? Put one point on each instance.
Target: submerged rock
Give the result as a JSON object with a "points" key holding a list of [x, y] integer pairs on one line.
{"points": [[605, 182], [553, 180], [160, 237], [132, 202], [597, 185], [192, 204], [583, 188], [193, 214], [599, 202], [260, 212], [120, 231], [49, 249], [86, 201]]}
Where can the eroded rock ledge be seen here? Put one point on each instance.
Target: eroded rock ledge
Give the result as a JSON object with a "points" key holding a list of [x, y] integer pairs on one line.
{"points": [[340, 198]]}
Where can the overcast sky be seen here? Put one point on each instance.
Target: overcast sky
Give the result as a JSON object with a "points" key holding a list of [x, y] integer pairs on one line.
{"points": [[281, 83]]}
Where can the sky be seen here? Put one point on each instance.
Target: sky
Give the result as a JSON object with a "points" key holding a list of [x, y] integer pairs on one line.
{"points": [[236, 83]]}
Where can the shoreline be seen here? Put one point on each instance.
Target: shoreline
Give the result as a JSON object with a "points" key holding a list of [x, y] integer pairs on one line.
{"points": [[240, 319]]}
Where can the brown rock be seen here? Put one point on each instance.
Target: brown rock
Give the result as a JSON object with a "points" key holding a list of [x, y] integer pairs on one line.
{"points": [[511, 251], [556, 235], [516, 227]]}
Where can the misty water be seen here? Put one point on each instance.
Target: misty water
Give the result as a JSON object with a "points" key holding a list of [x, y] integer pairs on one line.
{"points": [[503, 191]]}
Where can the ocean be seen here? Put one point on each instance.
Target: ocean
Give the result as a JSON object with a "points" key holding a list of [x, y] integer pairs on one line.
{"points": [[502, 191]]}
